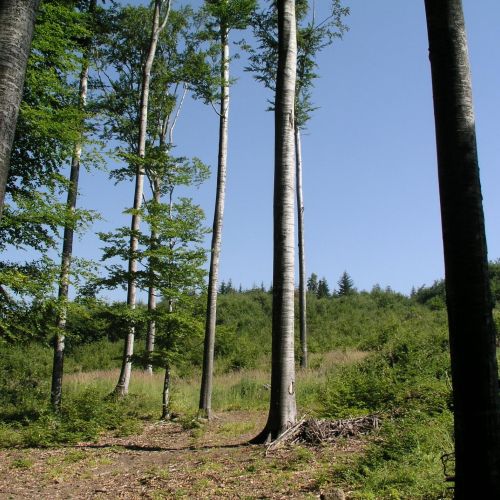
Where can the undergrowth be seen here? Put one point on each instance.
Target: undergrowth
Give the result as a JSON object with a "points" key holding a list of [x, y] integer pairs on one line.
{"points": [[370, 353]]}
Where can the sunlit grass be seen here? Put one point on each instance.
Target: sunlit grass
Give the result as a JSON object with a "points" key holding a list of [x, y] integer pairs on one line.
{"points": [[245, 389]]}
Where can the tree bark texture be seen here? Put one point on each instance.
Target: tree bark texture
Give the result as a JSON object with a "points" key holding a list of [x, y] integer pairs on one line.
{"points": [[302, 257], [121, 388], [67, 250], [283, 411], [17, 19], [205, 405], [471, 327]]}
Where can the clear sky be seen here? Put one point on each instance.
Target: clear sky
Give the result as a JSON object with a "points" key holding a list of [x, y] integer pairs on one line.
{"points": [[370, 177]]}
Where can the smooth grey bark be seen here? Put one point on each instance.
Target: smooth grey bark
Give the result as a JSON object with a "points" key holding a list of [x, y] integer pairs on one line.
{"points": [[476, 402], [302, 257], [67, 250], [283, 411], [121, 388], [205, 405], [17, 19]]}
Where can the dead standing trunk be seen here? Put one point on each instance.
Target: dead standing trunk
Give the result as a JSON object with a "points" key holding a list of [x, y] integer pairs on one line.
{"points": [[302, 257], [67, 250], [476, 402], [17, 19], [283, 411], [121, 388], [205, 405]]}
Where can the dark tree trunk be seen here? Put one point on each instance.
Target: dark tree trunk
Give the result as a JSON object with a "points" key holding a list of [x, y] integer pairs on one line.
{"points": [[472, 330], [67, 250], [205, 405], [17, 19], [283, 411]]}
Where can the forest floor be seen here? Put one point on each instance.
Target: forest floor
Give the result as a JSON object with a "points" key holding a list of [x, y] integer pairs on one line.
{"points": [[175, 460]]}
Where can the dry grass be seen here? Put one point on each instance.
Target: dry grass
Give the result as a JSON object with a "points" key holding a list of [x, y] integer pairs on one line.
{"points": [[242, 389]]}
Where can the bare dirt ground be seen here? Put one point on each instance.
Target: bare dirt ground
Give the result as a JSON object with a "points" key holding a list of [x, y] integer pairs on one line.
{"points": [[168, 460]]}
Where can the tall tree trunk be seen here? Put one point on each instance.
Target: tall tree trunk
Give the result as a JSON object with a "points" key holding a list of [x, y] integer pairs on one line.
{"points": [[17, 19], [151, 333], [121, 388], [302, 257], [283, 411], [472, 331], [205, 405], [67, 250]]}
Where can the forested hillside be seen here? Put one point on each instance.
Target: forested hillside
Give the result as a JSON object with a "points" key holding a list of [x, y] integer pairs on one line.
{"points": [[375, 352]]}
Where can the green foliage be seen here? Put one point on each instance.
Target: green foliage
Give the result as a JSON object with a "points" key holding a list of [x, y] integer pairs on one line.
{"points": [[409, 370], [312, 283], [214, 22], [27, 420], [313, 36], [407, 382], [244, 329], [123, 50], [433, 296], [323, 289], [345, 284], [50, 122], [404, 462], [179, 337]]}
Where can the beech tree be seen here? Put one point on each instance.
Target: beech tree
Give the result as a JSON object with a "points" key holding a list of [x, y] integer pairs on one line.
{"points": [[313, 35], [17, 19], [67, 250], [160, 14], [176, 273], [283, 411], [476, 402], [48, 126], [222, 16], [171, 75]]}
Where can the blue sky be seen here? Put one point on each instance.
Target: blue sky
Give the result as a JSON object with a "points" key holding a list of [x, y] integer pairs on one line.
{"points": [[370, 177]]}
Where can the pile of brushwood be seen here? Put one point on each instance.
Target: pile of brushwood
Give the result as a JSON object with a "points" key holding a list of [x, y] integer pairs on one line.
{"points": [[313, 431]]}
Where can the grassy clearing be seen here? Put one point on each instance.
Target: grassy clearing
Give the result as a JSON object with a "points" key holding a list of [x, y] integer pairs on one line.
{"points": [[375, 353]]}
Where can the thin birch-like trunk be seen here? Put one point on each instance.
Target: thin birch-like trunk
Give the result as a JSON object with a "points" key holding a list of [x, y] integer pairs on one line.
{"points": [[17, 19], [166, 129], [151, 333], [67, 250], [205, 406], [476, 402], [302, 258], [121, 388], [283, 411]]}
